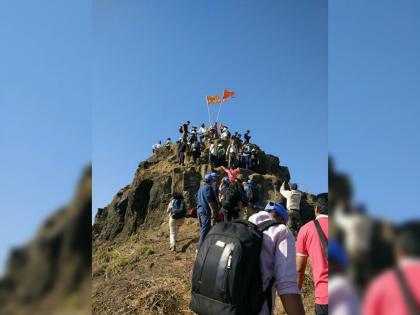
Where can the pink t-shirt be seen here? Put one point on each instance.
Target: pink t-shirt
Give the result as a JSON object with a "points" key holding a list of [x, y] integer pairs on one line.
{"points": [[309, 244], [384, 295]]}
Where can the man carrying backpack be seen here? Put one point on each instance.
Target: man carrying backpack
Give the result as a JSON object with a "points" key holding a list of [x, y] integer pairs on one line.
{"points": [[277, 260], [312, 241], [293, 197], [176, 210], [238, 264], [397, 290], [206, 207], [232, 199]]}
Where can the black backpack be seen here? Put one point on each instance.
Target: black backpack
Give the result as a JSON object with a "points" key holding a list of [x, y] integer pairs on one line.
{"points": [[178, 209], [227, 276], [232, 196]]}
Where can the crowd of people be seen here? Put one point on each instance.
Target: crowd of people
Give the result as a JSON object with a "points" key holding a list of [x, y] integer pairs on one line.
{"points": [[225, 148], [285, 252]]}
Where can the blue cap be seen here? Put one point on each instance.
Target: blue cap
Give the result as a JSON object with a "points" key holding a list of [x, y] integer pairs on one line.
{"points": [[280, 209], [250, 182], [214, 174], [337, 254], [208, 177], [226, 179], [294, 186]]}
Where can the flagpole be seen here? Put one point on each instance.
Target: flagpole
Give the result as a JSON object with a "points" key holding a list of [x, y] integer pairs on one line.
{"points": [[218, 113], [208, 109]]}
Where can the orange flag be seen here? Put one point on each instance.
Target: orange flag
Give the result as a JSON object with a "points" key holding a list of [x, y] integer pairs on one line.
{"points": [[227, 94], [214, 99]]}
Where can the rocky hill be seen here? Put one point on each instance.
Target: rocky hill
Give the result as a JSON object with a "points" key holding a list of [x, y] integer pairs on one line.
{"points": [[133, 270], [52, 273]]}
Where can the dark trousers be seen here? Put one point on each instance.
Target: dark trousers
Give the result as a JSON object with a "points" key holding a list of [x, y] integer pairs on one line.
{"points": [[204, 220], [181, 157], [321, 309], [196, 156]]}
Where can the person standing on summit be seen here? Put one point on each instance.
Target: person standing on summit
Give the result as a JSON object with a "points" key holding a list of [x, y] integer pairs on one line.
{"points": [[293, 197]]}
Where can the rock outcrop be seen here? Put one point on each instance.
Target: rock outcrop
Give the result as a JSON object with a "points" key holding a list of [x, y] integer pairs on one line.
{"points": [[52, 273], [142, 203]]}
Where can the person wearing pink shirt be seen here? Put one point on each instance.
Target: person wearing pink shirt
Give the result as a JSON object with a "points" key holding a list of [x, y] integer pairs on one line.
{"points": [[278, 260], [397, 291], [309, 244]]}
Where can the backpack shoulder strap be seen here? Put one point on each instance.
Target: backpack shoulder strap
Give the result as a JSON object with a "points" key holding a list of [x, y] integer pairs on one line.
{"points": [[324, 240], [407, 293], [266, 225]]}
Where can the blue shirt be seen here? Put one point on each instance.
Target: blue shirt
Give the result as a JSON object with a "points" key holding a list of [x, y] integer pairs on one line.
{"points": [[205, 195]]}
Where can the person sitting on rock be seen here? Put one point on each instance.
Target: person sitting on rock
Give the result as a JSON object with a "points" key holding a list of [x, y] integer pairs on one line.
{"points": [[293, 197], [176, 211], [220, 155], [182, 148], [196, 151], [156, 146], [202, 132], [232, 153], [247, 137]]}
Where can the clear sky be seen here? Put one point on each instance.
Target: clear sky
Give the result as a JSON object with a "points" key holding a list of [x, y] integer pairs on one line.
{"points": [[44, 109], [155, 61], [374, 93]]}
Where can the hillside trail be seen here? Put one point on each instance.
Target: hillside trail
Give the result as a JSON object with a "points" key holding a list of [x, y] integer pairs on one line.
{"points": [[142, 276]]}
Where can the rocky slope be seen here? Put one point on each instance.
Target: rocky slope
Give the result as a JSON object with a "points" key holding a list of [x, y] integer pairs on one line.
{"points": [[133, 270], [142, 203], [52, 273]]}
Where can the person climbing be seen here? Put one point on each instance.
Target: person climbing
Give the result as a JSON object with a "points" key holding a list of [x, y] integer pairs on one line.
{"points": [[183, 130], [232, 199], [312, 242], [213, 153], [253, 198], [342, 295], [220, 155], [247, 137], [168, 142], [216, 130], [277, 261], [254, 159], [293, 197], [232, 153], [206, 207], [397, 290], [156, 146], [202, 132], [196, 151], [182, 148], [176, 211], [223, 187]]}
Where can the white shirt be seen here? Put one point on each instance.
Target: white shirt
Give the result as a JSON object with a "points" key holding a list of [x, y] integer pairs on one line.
{"points": [[293, 198], [342, 297]]}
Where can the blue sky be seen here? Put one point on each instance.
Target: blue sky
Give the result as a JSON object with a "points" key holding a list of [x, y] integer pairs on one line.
{"points": [[374, 92], [154, 64], [44, 109]]}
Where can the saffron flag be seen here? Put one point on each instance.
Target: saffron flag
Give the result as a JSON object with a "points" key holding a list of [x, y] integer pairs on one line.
{"points": [[214, 99], [227, 94]]}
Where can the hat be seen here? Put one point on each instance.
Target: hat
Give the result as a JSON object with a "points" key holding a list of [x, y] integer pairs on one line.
{"points": [[337, 254], [279, 208], [250, 182], [208, 177], [226, 179], [294, 186], [214, 174]]}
